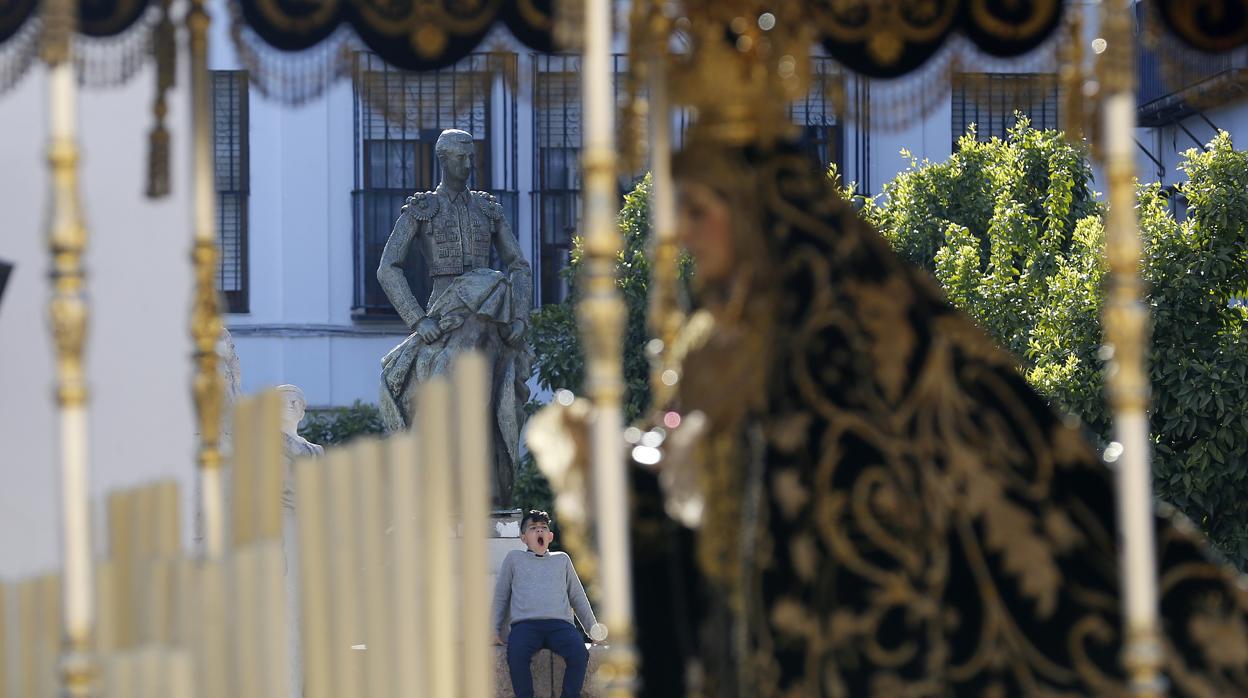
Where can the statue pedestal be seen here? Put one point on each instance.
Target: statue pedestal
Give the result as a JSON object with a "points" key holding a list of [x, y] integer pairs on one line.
{"points": [[504, 538]]}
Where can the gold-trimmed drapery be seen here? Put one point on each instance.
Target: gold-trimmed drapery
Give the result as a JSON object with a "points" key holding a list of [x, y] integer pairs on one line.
{"points": [[1210, 26], [293, 51], [418, 35], [889, 39], [110, 39]]}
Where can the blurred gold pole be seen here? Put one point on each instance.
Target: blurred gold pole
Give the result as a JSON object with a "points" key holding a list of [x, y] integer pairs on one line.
{"points": [[434, 423], [664, 316], [209, 387], [67, 240], [601, 313], [1126, 323], [472, 429]]}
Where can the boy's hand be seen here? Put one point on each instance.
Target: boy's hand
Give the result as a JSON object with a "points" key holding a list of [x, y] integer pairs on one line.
{"points": [[497, 640], [598, 633]]}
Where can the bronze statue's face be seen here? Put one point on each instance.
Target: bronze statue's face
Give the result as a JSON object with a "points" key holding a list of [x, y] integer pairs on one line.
{"points": [[705, 229], [457, 161]]}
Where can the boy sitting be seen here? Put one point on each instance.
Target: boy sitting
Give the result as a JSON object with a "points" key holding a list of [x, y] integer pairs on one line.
{"points": [[541, 589]]}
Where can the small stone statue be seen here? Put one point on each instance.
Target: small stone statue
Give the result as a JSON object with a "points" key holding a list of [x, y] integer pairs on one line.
{"points": [[472, 306], [294, 407], [232, 374]]}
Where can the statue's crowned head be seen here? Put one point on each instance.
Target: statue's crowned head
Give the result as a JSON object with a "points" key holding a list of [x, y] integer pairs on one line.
{"points": [[454, 151]]}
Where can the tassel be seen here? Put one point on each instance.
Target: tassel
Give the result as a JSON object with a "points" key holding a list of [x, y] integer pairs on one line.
{"points": [[164, 49], [158, 162]]}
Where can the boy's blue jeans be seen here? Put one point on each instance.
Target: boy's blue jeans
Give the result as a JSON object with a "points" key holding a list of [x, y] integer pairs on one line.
{"points": [[558, 636]]}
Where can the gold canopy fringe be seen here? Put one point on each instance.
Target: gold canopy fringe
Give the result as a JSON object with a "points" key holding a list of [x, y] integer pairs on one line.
{"points": [[98, 63], [902, 103], [373, 78], [113, 61], [17, 55], [293, 78]]}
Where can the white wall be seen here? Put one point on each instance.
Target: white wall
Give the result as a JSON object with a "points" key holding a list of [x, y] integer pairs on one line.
{"points": [[139, 281], [928, 137], [301, 271], [300, 329], [1167, 143]]}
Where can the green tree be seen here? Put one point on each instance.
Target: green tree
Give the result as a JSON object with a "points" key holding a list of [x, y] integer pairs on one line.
{"points": [[1011, 230], [558, 357], [1196, 270], [559, 360]]}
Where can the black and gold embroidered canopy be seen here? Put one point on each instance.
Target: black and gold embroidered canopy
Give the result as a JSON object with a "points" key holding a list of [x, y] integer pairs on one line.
{"points": [[102, 18], [409, 34], [889, 39], [1210, 26], [13, 14], [96, 18], [880, 39]]}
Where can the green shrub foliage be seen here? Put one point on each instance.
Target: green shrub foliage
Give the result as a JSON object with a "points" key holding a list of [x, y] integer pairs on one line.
{"points": [[341, 424], [558, 357]]}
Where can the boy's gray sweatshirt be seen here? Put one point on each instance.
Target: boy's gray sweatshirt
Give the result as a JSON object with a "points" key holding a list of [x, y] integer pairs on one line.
{"points": [[534, 587]]}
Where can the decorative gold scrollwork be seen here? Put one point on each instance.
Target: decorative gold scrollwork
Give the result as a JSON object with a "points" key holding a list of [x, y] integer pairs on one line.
{"points": [[929, 526]]}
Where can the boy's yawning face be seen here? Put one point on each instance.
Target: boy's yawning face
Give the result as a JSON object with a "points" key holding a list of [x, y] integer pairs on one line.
{"points": [[537, 536]]}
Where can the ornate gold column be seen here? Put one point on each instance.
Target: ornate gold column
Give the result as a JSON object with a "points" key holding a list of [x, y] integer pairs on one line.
{"points": [[602, 313], [67, 240], [664, 316], [209, 387], [1126, 324]]}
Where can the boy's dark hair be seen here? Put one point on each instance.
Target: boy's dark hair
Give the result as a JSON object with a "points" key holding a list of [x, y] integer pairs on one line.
{"points": [[534, 515]]}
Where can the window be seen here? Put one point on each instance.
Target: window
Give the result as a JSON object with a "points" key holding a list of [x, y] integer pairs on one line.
{"points": [[557, 144], [821, 132], [557, 165], [989, 100], [230, 157], [557, 169], [398, 117]]}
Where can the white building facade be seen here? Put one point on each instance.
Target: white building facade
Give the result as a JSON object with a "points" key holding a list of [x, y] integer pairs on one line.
{"points": [[309, 193], [323, 182]]}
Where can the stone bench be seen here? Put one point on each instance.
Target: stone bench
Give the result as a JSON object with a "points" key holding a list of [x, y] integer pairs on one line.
{"points": [[547, 668]]}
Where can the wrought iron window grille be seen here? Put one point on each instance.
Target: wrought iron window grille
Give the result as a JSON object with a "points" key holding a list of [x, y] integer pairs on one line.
{"points": [[398, 116], [990, 101], [231, 159]]}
